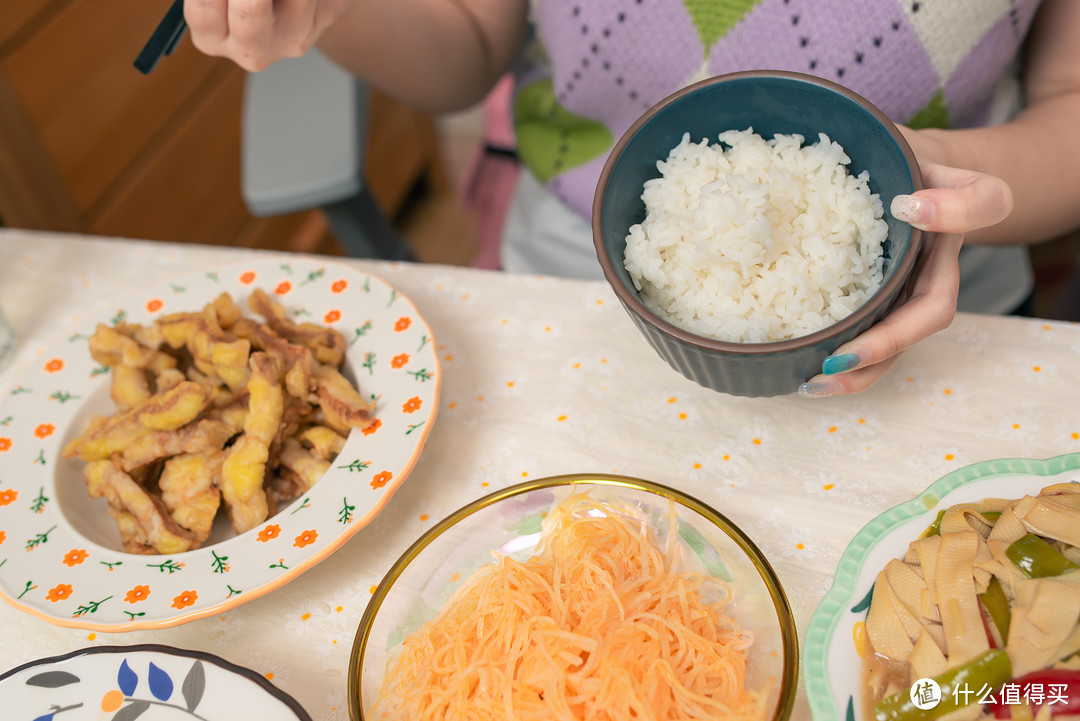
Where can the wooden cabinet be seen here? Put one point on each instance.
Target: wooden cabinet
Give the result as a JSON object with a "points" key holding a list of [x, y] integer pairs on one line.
{"points": [[89, 144]]}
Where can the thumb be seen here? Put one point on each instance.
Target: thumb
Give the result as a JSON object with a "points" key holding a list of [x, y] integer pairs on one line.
{"points": [[956, 201]]}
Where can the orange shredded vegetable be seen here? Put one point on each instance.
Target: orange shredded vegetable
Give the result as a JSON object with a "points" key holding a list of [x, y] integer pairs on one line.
{"points": [[599, 624]]}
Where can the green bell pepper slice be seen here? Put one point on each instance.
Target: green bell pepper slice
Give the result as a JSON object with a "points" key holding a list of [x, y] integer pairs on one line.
{"points": [[990, 670], [1037, 558], [934, 529], [997, 605]]}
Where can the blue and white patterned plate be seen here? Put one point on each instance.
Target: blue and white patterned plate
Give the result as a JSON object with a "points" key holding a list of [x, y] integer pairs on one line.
{"points": [[148, 682]]}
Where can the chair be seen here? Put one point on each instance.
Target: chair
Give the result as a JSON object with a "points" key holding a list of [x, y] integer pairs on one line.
{"points": [[304, 138], [1067, 304], [491, 175]]}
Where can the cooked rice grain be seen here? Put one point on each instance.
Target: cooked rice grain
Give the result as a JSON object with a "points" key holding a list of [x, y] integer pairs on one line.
{"points": [[761, 240]]}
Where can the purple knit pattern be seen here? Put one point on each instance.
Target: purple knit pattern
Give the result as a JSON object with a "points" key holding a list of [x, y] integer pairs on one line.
{"points": [[613, 59], [603, 70], [869, 47], [577, 186], [968, 89]]}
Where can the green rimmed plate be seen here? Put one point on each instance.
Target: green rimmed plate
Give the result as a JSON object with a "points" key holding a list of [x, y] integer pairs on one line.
{"points": [[831, 664]]}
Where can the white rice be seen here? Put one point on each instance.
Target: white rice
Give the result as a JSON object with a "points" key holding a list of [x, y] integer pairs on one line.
{"points": [[763, 240]]}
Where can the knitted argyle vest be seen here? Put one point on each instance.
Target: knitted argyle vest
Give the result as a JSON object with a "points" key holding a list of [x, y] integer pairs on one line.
{"points": [[596, 65]]}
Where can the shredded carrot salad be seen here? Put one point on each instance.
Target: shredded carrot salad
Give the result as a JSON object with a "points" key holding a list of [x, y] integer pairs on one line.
{"points": [[599, 624]]}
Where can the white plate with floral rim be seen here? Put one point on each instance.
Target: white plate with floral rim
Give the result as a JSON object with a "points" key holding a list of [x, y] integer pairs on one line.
{"points": [[122, 683], [831, 663], [61, 557]]}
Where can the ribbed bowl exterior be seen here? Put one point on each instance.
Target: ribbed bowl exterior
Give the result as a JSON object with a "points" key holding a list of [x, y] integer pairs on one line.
{"points": [[742, 374]]}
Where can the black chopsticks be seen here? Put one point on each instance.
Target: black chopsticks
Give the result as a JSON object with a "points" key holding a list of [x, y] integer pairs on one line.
{"points": [[165, 38]]}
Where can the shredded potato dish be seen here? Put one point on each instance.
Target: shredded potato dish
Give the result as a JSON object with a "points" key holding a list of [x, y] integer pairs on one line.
{"points": [[600, 623]]}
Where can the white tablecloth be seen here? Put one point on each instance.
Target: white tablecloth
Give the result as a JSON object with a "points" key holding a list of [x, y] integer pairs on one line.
{"points": [[544, 376]]}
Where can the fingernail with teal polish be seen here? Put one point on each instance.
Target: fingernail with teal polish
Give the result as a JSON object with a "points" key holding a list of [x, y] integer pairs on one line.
{"points": [[839, 363], [819, 389]]}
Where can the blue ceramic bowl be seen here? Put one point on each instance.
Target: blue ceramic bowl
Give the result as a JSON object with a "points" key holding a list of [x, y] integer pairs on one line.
{"points": [[770, 102]]}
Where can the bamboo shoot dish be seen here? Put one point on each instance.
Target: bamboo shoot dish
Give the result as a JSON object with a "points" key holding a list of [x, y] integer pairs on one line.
{"points": [[986, 604]]}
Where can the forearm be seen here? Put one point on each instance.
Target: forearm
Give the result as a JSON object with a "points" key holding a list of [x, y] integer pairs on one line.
{"points": [[1038, 155], [438, 55]]}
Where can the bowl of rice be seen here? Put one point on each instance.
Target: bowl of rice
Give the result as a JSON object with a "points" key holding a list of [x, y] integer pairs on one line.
{"points": [[743, 224], [578, 597]]}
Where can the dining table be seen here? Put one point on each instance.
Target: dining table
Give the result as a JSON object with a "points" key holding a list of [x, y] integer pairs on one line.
{"points": [[543, 376]]}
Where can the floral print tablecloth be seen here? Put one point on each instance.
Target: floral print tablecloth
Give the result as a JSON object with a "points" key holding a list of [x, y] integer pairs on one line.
{"points": [[544, 376]]}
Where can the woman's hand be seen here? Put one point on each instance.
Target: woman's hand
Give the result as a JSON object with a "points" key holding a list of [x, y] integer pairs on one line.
{"points": [[256, 33], [955, 202]]}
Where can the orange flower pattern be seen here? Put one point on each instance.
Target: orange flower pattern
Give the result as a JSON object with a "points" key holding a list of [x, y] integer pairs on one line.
{"points": [[339, 285], [8, 495], [283, 287], [399, 360], [247, 278], [139, 593], [412, 405], [402, 323], [54, 365], [112, 700], [185, 599], [306, 538], [269, 533], [5, 444], [75, 556], [381, 479], [44, 430], [59, 592], [3, 537], [153, 305], [375, 425], [332, 316]]}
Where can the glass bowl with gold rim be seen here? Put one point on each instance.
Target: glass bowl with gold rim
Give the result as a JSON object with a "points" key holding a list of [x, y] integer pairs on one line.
{"points": [[509, 522]]}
